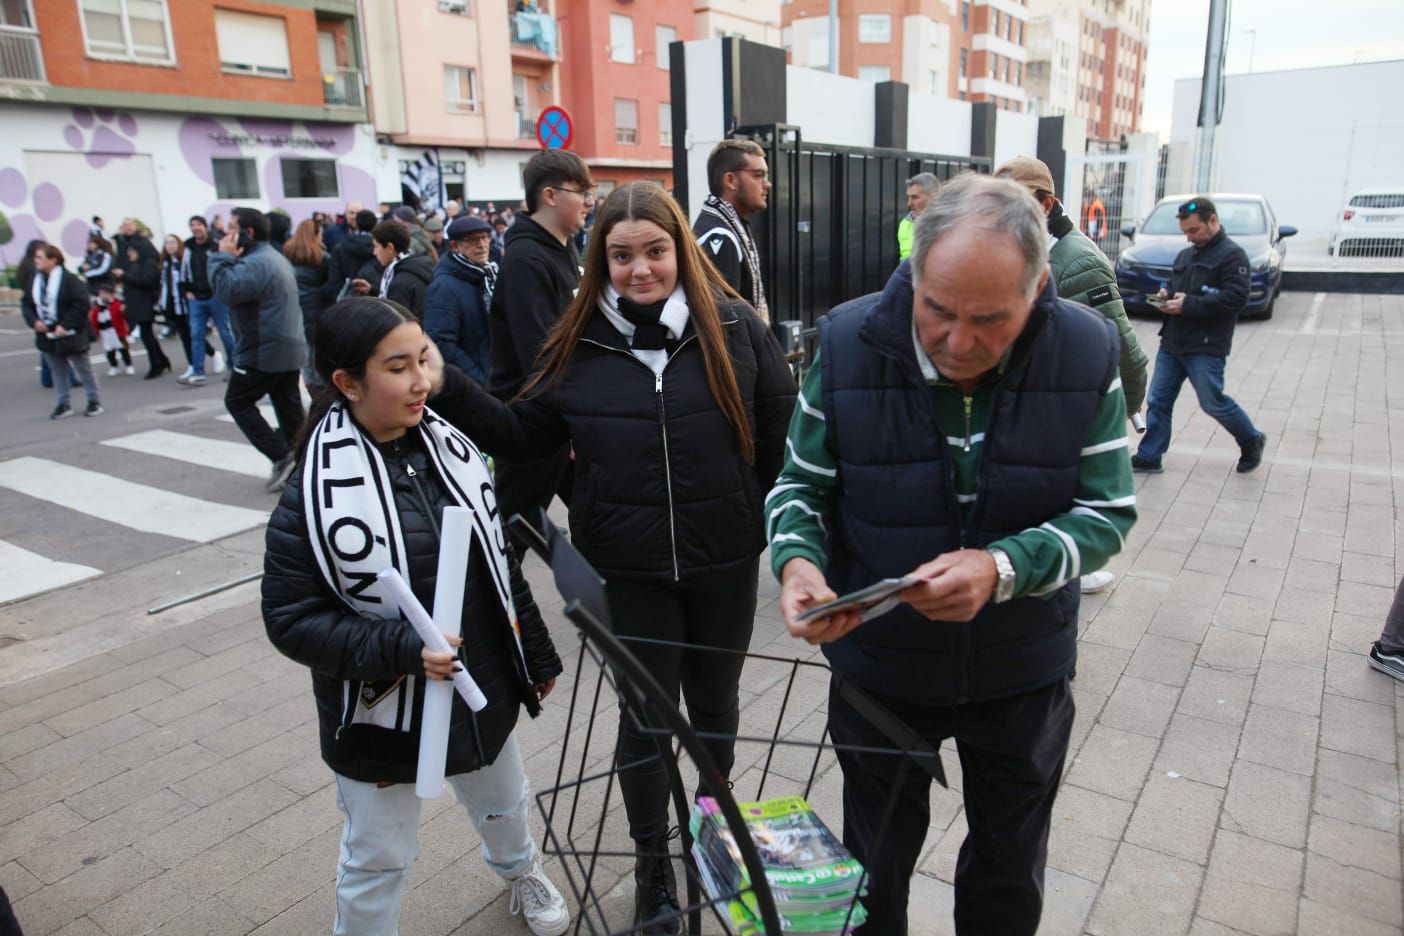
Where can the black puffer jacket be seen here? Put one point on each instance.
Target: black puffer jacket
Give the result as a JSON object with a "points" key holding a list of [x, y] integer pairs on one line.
{"points": [[314, 293], [661, 490], [141, 281], [350, 653], [410, 284]]}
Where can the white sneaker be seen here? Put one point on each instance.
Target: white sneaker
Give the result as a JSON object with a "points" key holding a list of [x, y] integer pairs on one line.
{"points": [[218, 364], [113, 372], [189, 372], [1099, 581], [131, 371], [536, 898]]}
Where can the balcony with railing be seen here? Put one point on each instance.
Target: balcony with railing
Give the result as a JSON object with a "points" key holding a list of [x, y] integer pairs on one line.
{"points": [[534, 31], [526, 126], [341, 87], [20, 56]]}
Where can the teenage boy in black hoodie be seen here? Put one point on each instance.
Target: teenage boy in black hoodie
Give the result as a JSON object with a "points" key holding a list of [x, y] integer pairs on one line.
{"points": [[539, 276]]}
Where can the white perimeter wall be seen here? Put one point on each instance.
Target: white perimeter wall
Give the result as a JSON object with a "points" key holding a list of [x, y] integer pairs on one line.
{"points": [[829, 108], [1304, 139], [937, 124], [1015, 135]]}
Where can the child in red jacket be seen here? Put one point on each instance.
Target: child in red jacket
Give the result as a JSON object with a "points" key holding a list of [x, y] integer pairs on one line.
{"points": [[111, 325]]}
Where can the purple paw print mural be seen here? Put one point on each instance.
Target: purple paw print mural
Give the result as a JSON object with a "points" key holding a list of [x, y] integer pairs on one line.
{"points": [[102, 135], [46, 201]]}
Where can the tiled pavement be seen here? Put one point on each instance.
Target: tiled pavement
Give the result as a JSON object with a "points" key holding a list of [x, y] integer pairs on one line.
{"points": [[1234, 766]]}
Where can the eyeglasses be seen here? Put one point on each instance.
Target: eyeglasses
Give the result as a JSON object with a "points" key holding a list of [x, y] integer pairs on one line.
{"points": [[587, 194]]}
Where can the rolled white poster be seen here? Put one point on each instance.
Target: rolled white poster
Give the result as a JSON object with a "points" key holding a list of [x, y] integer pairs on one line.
{"points": [[397, 588]]}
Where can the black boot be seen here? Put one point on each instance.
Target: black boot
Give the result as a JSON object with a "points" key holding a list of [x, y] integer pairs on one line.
{"points": [[655, 888]]}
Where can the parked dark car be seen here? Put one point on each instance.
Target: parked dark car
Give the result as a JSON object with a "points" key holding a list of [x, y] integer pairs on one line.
{"points": [[1143, 269]]}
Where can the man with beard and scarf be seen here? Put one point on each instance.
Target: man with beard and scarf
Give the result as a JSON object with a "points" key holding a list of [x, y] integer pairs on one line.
{"points": [[1082, 274], [740, 185], [456, 307], [539, 277]]}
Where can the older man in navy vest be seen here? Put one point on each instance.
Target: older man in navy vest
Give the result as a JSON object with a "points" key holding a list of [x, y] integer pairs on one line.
{"points": [[965, 429]]}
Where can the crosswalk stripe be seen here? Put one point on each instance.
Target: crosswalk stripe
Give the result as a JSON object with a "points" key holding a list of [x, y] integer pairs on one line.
{"points": [[196, 450], [266, 409], [28, 573], [148, 509]]}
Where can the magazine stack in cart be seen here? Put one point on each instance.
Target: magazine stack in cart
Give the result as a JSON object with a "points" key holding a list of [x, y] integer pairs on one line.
{"points": [[814, 879]]}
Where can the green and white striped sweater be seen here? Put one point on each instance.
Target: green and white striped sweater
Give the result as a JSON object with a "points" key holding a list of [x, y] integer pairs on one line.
{"points": [[1045, 557]]}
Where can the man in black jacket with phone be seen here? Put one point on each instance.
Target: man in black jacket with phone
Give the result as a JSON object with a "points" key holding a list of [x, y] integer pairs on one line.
{"points": [[539, 276], [1208, 290]]}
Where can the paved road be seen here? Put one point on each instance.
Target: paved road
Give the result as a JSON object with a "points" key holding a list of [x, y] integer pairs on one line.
{"points": [[1234, 766]]}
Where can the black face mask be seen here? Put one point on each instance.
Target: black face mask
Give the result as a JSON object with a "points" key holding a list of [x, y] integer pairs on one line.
{"points": [[649, 333]]}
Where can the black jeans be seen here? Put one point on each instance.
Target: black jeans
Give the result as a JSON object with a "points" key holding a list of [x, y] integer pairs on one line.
{"points": [[150, 340], [521, 487], [716, 610], [1011, 758], [246, 387]]}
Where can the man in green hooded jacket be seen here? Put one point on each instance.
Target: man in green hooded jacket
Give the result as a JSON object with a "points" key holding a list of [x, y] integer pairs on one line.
{"points": [[1081, 273]]}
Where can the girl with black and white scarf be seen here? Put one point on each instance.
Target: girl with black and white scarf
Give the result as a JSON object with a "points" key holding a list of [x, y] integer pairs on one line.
{"points": [[56, 306], [376, 470]]}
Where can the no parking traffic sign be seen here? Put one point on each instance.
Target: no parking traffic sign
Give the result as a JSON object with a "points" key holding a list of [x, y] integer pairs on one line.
{"points": [[554, 128]]}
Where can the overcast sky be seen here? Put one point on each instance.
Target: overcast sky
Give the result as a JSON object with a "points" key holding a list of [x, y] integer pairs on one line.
{"points": [[1289, 34]]}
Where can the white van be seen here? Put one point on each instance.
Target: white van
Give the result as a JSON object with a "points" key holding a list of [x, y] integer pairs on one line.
{"points": [[1371, 224]]}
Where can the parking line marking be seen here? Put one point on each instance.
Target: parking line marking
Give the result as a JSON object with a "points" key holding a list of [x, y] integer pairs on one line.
{"points": [[1314, 313], [138, 506]]}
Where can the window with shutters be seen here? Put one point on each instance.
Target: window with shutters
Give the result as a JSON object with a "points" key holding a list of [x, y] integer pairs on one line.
{"points": [[130, 30], [252, 44]]}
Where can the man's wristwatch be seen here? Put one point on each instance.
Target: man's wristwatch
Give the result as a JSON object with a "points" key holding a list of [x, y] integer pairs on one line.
{"points": [[1004, 587]]}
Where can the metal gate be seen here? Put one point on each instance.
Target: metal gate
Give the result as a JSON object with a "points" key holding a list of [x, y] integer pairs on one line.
{"points": [[1109, 195], [830, 231]]}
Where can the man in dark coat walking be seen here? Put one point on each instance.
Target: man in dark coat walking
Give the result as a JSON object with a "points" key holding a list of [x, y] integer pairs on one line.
{"points": [[257, 283], [456, 308]]}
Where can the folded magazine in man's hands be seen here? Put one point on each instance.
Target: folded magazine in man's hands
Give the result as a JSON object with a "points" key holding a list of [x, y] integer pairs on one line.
{"points": [[877, 598]]}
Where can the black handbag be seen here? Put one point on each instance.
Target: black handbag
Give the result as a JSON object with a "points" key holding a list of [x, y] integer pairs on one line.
{"points": [[72, 343]]}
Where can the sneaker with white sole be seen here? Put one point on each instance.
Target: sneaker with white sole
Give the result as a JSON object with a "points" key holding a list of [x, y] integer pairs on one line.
{"points": [[131, 371], [113, 371], [1389, 662], [1094, 582], [217, 363], [188, 372], [194, 380], [538, 901]]}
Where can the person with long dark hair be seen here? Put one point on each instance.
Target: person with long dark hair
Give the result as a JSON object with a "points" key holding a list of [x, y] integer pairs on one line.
{"points": [[393, 466], [675, 398], [310, 263], [138, 269], [56, 306]]}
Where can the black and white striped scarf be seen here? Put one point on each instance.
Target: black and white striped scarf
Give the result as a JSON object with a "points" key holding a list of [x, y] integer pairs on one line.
{"points": [[723, 209], [355, 533]]}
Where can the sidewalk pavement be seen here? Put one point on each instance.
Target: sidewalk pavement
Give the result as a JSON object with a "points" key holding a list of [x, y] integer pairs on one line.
{"points": [[1233, 769]]}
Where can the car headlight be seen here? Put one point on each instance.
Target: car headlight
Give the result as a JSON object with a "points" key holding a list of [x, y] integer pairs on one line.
{"points": [[1264, 263]]}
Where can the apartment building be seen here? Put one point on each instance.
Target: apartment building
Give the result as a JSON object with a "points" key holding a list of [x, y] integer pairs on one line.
{"points": [[456, 87], [973, 50], [160, 109], [617, 85], [1087, 59], [753, 20]]}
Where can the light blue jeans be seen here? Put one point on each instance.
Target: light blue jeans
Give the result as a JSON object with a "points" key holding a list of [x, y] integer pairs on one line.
{"points": [[202, 311], [380, 839]]}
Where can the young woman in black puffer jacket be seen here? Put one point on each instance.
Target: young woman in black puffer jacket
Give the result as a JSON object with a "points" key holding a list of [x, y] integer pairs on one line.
{"points": [[675, 398], [376, 471]]}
